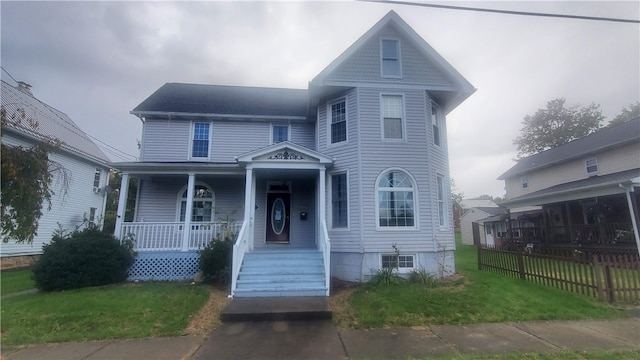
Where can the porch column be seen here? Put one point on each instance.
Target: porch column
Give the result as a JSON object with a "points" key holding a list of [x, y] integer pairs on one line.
{"points": [[186, 233], [633, 211], [322, 192], [122, 205], [249, 182]]}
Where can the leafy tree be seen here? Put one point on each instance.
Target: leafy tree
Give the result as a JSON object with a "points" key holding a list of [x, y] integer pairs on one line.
{"points": [[27, 175], [556, 125], [627, 113], [456, 194]]}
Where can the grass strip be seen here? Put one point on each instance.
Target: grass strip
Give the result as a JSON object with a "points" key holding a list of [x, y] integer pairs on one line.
{"points": [[12, 281], [106, 312]]}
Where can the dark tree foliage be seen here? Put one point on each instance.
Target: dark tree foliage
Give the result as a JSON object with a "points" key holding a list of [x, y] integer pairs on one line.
{"points": [[626, 114], [556, 125], [85, 258], [113, 196], [25, 185]]}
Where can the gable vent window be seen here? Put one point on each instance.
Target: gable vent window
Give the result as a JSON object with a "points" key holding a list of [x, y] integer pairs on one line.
{"points": [[592, 166], [390, 58]]}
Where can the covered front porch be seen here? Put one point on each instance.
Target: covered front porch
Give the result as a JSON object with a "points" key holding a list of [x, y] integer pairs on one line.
{"points": [[271, 203]]}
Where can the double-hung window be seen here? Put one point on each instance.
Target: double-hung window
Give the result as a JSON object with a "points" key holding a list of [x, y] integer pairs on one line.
{"points": [[279, 133], [591, 166], [395, 200], [200, 140], [392, 117], [338, 114], [339, 201], [96, 180], [441, 200], [390, 58]]}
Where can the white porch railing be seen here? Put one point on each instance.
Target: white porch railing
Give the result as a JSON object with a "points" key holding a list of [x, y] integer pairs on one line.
{"points": [[167, 236], [239, 249], [325, 246]]}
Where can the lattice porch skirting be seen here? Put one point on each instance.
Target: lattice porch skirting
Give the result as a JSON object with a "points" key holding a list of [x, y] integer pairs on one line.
{"points": [[165, 265]]}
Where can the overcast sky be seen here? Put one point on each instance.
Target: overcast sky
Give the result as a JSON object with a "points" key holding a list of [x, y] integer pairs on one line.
{"points": [[97, 61]]}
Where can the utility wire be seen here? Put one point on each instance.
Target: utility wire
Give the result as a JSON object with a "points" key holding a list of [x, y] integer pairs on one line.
{"points": [[3, 69], [509, 12]]}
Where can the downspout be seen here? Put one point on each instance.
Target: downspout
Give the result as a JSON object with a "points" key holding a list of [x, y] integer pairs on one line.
{"points": [[633, 211]]}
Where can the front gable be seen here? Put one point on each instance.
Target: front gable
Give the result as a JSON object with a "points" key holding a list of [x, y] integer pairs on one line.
{"points": [[284, 155]]}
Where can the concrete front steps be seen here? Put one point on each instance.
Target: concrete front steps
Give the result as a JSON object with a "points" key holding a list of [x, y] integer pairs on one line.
{"points": [[283, 308], [281, 273]]}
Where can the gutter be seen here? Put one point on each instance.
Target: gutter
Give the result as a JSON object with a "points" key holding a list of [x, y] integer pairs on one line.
{"points": [[141, 115]]}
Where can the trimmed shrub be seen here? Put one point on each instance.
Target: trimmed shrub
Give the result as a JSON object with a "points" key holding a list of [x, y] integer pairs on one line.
{"points": [[215, 260], [83, 258]]}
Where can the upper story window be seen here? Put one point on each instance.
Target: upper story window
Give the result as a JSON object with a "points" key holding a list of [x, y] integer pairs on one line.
{"points": [[394, 193], [435, 123], [203, 204], [338, 121], [96, 180], [591, 166], [525, 182], [279, 133], [392, 117], [442, 213], [390, 64], [339, 201], [200, 140]]}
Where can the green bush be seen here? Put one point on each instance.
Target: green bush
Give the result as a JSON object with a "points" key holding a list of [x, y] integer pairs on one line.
{"points": [[385, 277], [83, 258], [215, 259], [421, 276]]}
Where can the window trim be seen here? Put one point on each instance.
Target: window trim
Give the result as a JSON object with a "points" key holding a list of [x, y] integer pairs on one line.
{"points": [[330, 187], [415, 202], [330, 121], [586, 166], [288, 126], [401, 270], [398, 59], [179, 201], [191, 139], [403, 122], [443, 219]]}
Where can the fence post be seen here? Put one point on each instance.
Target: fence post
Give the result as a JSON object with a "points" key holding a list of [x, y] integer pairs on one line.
{"points": [[478, 248], [521, 265], [600, 286], [608, 281]]}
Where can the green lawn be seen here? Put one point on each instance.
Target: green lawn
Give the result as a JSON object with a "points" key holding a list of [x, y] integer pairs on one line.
{"points": [[105, 312], [474, 298], [12, 281]]}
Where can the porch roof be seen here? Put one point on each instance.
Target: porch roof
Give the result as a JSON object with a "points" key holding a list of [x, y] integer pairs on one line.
{"points": [[285, 155], [178, 167], [580, 189]]}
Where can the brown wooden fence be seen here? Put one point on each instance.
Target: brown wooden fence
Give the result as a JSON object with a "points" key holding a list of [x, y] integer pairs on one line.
{"points": [[607, 277]]}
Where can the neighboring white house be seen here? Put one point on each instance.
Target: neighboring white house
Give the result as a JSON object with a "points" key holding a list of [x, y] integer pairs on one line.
{"points": [[318, 182], [85, 199], [472, 215]]}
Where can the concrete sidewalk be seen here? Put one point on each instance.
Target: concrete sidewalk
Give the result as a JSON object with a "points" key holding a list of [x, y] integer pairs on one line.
{"points": [[321, 340]]}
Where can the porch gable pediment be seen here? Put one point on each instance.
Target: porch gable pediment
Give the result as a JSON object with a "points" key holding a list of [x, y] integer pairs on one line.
{"points": [[284, 154]]}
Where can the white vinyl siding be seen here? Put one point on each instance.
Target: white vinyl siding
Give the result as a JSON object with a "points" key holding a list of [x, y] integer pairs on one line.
{"points": [[392, 117]]}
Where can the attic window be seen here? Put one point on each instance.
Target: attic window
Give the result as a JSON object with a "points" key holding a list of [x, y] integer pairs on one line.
{"points": [[591, 166], [390, 58]]}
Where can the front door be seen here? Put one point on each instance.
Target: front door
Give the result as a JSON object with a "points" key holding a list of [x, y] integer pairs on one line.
{"points": [[278, 217]]}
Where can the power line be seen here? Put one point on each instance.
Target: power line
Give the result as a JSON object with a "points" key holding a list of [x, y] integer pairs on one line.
{"points": [[509, 12], [3, 69]]}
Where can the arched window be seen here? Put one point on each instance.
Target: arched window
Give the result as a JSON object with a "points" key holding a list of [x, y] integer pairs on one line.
{"points": [[395, 199], [203, 203]]}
